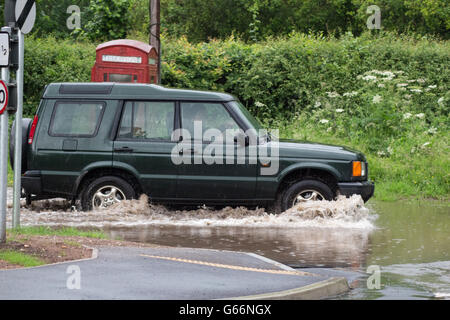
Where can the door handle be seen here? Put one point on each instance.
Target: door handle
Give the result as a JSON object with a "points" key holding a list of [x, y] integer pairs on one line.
{"points": [[123, 150]]}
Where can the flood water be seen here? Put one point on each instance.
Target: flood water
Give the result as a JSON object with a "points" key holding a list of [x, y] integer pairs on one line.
{"points": [[409, 241]]}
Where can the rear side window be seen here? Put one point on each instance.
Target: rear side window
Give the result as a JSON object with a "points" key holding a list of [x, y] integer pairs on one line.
{"points": [[142, 120], [76, 119]]}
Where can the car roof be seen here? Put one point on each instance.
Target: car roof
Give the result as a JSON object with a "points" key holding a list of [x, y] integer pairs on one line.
{"points": [[119, 91]]}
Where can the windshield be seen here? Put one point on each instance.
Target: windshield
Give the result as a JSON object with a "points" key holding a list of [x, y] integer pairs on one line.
{"points": [[252, 121]]}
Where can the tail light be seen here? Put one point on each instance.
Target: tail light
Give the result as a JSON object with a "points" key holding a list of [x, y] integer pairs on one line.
{"points": [[32, 130]]}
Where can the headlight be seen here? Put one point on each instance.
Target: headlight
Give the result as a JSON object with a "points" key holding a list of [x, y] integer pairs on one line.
{"points": [[359, 169]]}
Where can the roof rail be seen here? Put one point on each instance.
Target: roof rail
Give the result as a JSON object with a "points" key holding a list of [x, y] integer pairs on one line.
{"points": [[86, 88]]}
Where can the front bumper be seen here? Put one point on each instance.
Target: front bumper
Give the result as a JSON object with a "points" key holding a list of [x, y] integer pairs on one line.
{"points": [[364, 189]]}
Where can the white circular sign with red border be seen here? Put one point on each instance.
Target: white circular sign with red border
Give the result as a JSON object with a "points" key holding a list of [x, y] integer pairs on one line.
{"points": [[3, 96]]}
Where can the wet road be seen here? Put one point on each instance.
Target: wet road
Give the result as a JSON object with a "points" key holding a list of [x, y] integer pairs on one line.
{"points": [[162, 274], [408, 240]]}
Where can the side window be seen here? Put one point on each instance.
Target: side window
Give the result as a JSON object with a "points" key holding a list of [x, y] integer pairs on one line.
{"points": [[211, 115], [147, 120], [75, 119]]}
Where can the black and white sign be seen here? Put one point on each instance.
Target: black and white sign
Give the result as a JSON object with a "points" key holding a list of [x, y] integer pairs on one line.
{"points": [[4, 49], [25, 15], [121, 59], [3, 96]]}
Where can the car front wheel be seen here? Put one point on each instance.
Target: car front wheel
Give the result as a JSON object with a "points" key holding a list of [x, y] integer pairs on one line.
{"points": [[104, 192], [303, 191]]}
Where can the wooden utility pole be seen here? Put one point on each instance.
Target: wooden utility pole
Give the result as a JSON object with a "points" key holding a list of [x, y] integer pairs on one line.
{"points": [[155, 30]]}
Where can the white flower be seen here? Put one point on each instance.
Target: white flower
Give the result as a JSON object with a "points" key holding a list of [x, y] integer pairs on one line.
{"points": [[432, 130], [432, 87], [416, 90], [407, 115], [369, 78], [333, 94], [377, 99], [390, 150], [425, 144], [324, 121], [387, 74], [420, 115], [340, 110], [410, 81], [317, 104], [259, 104], [421, 80], [441, 101], [408, 96], [329, 129], [381, 85], [381, 153], [351, 94], [402, 85]]}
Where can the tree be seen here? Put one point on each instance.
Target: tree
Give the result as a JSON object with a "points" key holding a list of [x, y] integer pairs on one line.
{"points": [[107, 19]]}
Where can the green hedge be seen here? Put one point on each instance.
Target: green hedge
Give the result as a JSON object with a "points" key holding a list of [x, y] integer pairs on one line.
{"points": [[385, 95], [281, 78], [49, 60]]}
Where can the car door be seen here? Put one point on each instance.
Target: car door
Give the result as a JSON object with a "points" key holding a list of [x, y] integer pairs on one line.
{"points": [[214, 173], [74, 133], [144, 145]]}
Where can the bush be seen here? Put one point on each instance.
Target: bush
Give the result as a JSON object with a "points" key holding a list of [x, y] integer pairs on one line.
{"points": [[48, 60]]}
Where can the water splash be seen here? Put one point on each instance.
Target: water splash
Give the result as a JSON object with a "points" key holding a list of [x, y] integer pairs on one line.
{"points": [[343, 213]]}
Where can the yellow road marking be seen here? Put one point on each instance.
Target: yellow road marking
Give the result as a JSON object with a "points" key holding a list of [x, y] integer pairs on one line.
{"points": [[232, 267]]}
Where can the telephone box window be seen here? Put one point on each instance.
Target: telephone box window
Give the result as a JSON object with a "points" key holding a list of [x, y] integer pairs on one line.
{"points": [[120, 78]]}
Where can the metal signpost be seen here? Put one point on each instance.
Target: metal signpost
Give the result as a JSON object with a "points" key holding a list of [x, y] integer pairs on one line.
{"points": [[20, 16], [25, 16], [4, 154]]}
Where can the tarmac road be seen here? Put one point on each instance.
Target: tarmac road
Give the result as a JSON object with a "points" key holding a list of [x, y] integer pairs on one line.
{"points": [[162, 274]]}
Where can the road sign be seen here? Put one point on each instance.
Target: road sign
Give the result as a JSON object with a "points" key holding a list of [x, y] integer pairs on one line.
{"points": [[4, 49], [3, 96], [25, 15]]}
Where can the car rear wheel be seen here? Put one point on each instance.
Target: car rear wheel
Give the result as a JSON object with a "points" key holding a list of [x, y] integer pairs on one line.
{"points": [[105, 192], [304, 191]]}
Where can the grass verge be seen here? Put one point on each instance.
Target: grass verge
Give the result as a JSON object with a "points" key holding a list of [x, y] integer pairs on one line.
{"points": [[21, 259], [63, 232]]}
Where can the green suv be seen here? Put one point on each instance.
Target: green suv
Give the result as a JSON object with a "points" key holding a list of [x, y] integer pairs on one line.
{"points": [[101, 143]]}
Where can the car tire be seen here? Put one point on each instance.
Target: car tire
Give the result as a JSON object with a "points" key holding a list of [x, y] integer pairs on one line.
{"points": [[105, 186], [26, 124], [303, 188]]}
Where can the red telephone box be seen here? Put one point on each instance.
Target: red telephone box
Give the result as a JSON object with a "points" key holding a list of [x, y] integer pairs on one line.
{"points": [[125, 61]]}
